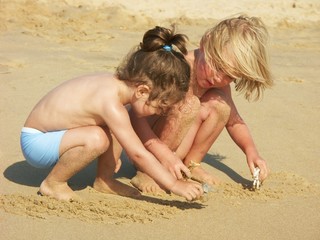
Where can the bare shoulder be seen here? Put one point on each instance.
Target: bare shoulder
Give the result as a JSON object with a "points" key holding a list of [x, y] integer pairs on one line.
{"points": [[93, 86], [93, 80], [89, 89], [107, 96]]}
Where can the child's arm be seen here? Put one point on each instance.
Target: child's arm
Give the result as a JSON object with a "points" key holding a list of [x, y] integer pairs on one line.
{"points": [[159, 149], [118, 120], [240, 133]]}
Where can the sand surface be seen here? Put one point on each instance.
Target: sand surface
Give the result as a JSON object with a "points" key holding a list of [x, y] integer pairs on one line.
{"points": [[44, 43]]}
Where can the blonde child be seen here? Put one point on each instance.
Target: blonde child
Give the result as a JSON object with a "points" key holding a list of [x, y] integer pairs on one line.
{"points": [[232, 52], [86, 118]]}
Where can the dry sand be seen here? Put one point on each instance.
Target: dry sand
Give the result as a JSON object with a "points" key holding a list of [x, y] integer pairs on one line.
{"points": [[43, 44]]}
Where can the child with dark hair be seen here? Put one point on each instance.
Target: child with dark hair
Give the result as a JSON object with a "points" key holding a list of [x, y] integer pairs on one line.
{"points": [[86, 118]]}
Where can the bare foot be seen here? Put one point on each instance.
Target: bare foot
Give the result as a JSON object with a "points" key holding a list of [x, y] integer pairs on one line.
{"points": [[57, 190], [146, 184], [113, 186], [200, 175]]}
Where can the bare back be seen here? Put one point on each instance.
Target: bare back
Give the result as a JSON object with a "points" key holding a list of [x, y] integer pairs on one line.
{"points": [[77, 102]]}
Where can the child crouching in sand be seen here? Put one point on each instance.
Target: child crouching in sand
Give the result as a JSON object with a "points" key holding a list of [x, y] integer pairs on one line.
{"points": [[86, 118], [233, 53]]}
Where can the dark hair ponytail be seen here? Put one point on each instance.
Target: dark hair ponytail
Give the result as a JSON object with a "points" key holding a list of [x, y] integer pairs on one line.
{"points": [[159, 37], [159, 63]]}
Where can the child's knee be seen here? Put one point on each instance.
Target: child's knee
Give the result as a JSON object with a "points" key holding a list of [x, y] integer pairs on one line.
{"points": [[98, 140], [217, 103]]}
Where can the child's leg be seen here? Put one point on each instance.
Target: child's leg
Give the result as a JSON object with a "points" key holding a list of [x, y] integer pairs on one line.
{"points": [[179, 123], [108, 163], [79, 147], [214, 114], [174, 131], [194, 145]]}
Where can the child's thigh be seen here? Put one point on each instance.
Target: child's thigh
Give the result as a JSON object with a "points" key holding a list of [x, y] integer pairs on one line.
{"points": [[91, 137]]}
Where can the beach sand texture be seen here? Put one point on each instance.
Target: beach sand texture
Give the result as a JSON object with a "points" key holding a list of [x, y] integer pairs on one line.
{"points": [[43, 43]]}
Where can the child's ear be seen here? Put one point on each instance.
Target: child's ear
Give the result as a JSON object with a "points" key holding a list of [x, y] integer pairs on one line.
{"points": [[142, 90]]}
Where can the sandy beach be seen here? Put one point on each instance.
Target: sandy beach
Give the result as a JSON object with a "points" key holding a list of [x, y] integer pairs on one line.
{"points": [[43, 44]]}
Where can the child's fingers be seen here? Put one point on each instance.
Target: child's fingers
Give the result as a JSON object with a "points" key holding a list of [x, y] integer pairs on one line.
{"points": [[263, 174], [184, 172], [251, 167]]}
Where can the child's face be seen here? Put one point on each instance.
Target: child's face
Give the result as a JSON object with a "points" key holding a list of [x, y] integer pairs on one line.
{"points": [[144, 108], [208, 77]]}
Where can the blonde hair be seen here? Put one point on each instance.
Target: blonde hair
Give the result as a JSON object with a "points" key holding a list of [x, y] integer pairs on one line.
{"points": [[157, 64], [237, 46]]}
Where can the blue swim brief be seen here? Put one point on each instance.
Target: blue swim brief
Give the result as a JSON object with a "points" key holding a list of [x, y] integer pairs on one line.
{"points": [[41, 149]]}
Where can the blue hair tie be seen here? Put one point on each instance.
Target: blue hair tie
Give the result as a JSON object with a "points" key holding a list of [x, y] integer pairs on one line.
{"points": [[167, 48]]}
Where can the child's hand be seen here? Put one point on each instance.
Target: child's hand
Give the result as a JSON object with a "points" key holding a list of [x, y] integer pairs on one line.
{"points": [[177, 168], [261, 164], [180, 171], [189, 190]]}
